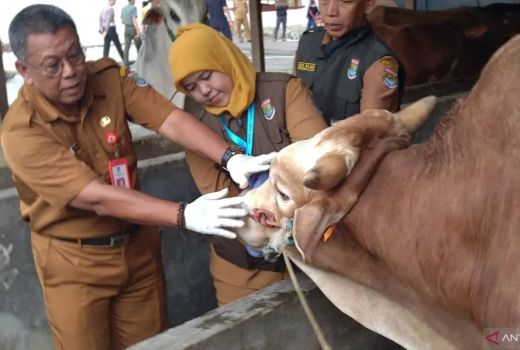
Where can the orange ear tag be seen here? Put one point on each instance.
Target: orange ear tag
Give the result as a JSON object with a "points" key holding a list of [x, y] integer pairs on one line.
{"points": [[328, 232]]}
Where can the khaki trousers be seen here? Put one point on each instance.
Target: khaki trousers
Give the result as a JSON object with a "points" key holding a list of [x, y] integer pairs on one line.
{"points": [[101, 297], [242, 22], [233, 282]]}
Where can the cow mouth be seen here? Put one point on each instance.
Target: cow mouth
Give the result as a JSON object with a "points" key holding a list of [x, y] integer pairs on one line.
{"points": [[264, 218]]}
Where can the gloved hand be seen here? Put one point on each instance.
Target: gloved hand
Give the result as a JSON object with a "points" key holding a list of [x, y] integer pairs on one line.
{"points": [[241, 166], [211, 212]]}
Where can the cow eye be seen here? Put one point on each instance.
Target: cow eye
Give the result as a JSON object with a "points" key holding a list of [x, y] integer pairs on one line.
{"points": [[283, 196], [174, 17]]}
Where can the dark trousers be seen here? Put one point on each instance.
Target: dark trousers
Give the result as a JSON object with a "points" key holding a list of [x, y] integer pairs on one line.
{"points": [[130, 34], [224, 29], [111, 36], [280, 18]]}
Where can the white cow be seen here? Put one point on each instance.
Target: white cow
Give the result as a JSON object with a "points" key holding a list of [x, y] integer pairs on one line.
{"points": [[152, 59]]}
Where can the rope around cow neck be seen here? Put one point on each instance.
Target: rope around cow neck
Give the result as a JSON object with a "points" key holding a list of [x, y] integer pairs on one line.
{"points": [[303, 300]]}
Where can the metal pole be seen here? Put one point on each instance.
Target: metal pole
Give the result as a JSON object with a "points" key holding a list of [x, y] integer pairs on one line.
{"points": [[257, 35], [3, 90]]}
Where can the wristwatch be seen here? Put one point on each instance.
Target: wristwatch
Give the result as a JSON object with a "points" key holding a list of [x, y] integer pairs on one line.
{"points": [[230, 152]]}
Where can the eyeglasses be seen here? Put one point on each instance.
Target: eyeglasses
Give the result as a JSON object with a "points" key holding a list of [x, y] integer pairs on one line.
{"points": [[55, 67]]}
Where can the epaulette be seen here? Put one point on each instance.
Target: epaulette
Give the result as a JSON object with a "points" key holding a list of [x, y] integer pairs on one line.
{"points": [[102, 64]]}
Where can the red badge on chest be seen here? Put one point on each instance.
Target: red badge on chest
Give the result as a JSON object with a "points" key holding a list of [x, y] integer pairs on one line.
{"points": [[119, 175]]}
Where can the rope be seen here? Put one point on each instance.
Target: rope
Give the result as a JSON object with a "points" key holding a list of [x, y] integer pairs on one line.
{"points": [[303, 300]]}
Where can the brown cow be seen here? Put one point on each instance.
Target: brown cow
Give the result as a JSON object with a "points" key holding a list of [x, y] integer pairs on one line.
{"points": [[435, 230], [444, 45]]}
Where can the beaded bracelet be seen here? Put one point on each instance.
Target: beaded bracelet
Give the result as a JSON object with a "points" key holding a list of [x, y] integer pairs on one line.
{"points": [[181, 220]]}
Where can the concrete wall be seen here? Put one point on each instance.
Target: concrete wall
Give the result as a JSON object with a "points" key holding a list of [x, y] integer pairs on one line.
{"points": [[271, 318]]}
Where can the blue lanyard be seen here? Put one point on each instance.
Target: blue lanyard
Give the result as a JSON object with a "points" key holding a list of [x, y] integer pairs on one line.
{"points": [[246, 145]]}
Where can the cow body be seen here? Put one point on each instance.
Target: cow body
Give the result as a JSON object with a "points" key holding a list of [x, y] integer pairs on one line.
{"points": [[436, 228], [458, 211], [444, 45]]}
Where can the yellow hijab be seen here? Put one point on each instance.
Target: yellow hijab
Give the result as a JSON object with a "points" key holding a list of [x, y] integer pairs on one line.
{"points": [[199, 47]]}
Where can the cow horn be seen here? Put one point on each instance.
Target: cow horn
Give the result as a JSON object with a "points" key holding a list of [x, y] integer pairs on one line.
{"points": [[327, 173], [414, 115]]}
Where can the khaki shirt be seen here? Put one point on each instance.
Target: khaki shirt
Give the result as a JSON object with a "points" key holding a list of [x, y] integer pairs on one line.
{"points": [[38, 142], [303, 121]]}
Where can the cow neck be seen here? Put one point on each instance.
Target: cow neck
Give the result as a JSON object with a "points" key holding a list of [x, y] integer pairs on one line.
{"points": [[247, 144]]}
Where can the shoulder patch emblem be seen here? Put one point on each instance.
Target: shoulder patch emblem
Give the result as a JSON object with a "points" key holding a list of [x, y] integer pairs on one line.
{"points": [[268, 109], [140, 82], [390, 77], [352, 69], [128, 73], [306, 66]]}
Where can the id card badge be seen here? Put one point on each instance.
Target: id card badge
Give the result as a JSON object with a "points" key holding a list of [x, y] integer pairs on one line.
{"points": [[119, 175]]}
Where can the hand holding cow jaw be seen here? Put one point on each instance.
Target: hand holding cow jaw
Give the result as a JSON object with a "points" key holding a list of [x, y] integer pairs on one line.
{"points": [[212, 213]]}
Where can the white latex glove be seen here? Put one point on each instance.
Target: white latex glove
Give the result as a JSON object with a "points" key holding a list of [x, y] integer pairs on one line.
{"points": [[211, 212], [241, 166]]}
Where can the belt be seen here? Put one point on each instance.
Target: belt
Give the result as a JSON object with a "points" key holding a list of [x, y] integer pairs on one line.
{"points": [[117, 240]]}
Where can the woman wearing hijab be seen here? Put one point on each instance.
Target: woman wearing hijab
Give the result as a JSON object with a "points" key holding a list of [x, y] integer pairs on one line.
{"points": [[258, 113]]}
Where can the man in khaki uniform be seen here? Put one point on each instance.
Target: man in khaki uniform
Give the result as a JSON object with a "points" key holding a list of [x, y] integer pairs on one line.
{"points": [[240, 8], [67, 142]]}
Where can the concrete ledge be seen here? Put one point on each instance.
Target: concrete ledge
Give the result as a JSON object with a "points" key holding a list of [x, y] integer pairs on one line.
{"points": [[269, 319]]}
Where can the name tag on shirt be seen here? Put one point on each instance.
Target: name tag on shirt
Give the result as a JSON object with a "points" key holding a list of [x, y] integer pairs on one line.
{"points": [[119, 175], [306, 66]]}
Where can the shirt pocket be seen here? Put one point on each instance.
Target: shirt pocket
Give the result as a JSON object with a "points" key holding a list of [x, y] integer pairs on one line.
{"points": [[279, 136], [348, 96]]}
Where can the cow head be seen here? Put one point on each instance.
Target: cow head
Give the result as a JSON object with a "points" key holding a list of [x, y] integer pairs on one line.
{"points": [[161, 23], [176, 13], [304, 194]]}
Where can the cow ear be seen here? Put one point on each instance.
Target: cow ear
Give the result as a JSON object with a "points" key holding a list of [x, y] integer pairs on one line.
{"points": [[328, 172], [312, 219], [310, 222]]}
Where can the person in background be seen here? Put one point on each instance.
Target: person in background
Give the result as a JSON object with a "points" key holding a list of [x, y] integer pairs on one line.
{"points": [[241, 20], [68, 144], [281, 7], [107, 28], [259, 113], [132, 30], [345, 64], [219, 17], [313, 15]]}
